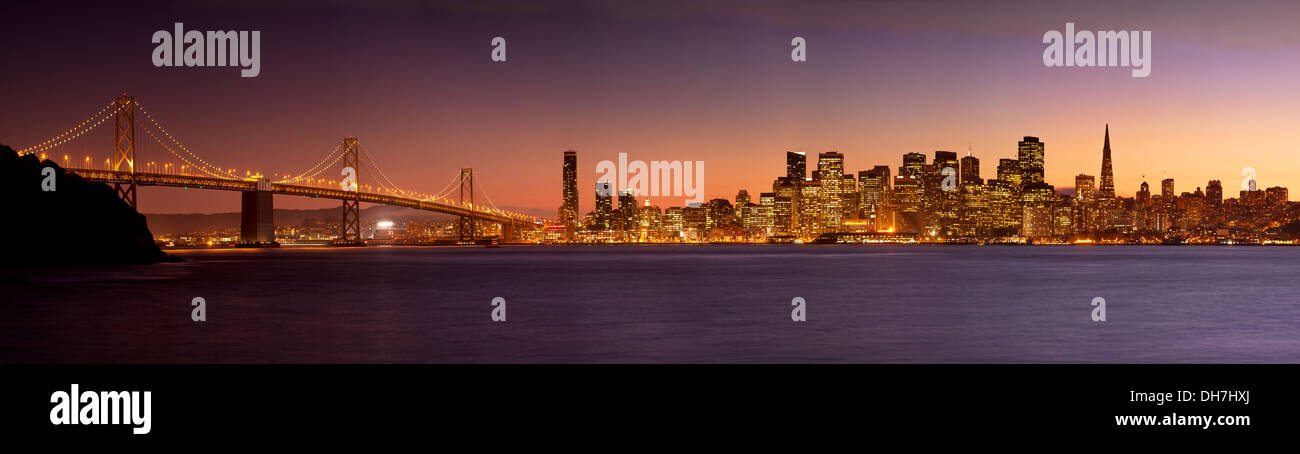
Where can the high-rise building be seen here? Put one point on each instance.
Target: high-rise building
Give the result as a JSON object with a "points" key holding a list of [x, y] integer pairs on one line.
{"points": [[1214, 193], [569, 207], [1009, 171], [1083, 188], [796, 165], [785, 206], [848, 196], [908, 194], [604, 205], [976, 213], [1106, 192], [942, 199], [721, 213], [830, 175], [695, 222], [767, 206], [1038, 221], [1276, 196], [970, 170], [810, 208], [1144, 195], [1004, 202], [1167, 189], [913, 163], [873, 190], [674, 223], [627, 209], [1031, 156], [742, 199]]}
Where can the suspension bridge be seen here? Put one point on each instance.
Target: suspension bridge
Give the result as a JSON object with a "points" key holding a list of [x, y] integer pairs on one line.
{"points": [[143, 153]]}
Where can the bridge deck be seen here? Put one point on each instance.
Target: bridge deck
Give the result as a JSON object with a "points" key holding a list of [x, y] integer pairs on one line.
{"points": [[199, 182]]}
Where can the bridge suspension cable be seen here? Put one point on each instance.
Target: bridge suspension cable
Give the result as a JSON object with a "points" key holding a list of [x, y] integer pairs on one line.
{"points": [[222, 173], [76, 131], [325, 163]]}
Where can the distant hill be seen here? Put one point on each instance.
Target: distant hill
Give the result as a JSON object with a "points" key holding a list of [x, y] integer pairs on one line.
{"points": [[79, 222], [180, 223]]}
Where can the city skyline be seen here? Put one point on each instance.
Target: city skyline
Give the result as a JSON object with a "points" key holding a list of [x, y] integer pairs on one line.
{"points": [[946, 200]]}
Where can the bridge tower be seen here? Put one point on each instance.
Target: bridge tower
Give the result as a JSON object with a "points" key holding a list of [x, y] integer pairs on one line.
{"points": [[466, 227], [124, 147], [351, 229]]}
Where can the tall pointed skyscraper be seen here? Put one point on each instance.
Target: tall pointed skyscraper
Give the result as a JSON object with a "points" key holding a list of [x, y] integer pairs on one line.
{"points": [[1106, 192]]}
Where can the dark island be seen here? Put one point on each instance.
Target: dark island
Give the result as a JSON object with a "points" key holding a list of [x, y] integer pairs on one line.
{"points": [[76, 223]]}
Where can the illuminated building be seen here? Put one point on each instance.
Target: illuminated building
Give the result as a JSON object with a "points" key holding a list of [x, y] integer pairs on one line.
{"points": [[627, 209], [742, 199], [810, 208], [785, 206], [1037, 221], [569, 207], [674, 222], [848, 197], [976, 213], [970, 170], [1037, 194], [830, 171], [1276, 196], [1009, 171], [796, 165], [1214, 200], [757, 219], [1084, 203], [1083, 188], [695, 220], [945, 201], [1167, 188], [874, 188], [1062, 211], [1106, 193], [907, 196], [1031, 154], [649, 223], [604, 214], [1004, 201], [720, 214]]}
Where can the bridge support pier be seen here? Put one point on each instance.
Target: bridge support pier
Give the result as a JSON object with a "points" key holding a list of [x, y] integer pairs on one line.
{"points": [[507, 232], [257, 218]]}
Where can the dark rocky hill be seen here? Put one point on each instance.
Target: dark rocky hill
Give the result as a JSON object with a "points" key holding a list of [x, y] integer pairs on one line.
{"points": [[77, 223]]}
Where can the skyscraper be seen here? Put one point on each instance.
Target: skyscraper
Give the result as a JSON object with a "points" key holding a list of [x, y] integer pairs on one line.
{"points": [[627, 208], [1167, 188], [569, 207], [1083, 205], [830, 175], [908, 193], [785, 205], [1083, 188], [796, 165], [604, 205], [970, 170], [874, 187], [810, 208], [1106, 192], [1009, 171], [944, 201], [1031, 157]]}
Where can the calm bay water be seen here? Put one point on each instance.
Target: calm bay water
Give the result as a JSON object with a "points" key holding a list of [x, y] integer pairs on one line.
{"points": [[668, 304]]}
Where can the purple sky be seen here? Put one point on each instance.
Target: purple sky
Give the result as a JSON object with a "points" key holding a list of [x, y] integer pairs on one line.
{"points": [[706, 81]]}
